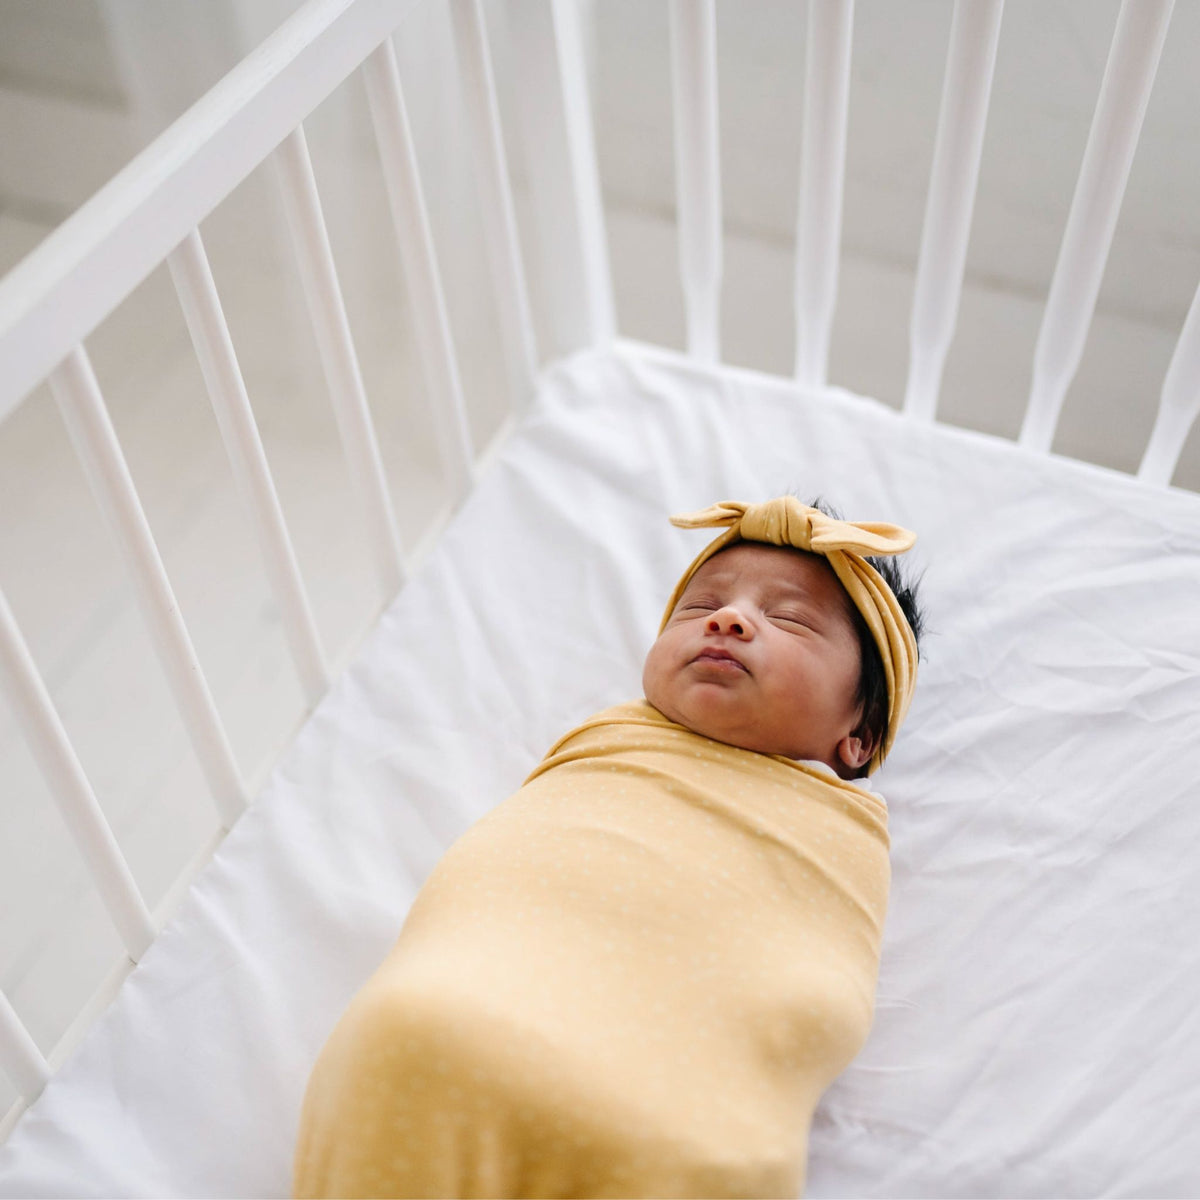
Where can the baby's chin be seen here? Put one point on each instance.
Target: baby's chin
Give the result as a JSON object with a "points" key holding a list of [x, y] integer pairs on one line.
{"points": [[716, 722], [712, 716]]}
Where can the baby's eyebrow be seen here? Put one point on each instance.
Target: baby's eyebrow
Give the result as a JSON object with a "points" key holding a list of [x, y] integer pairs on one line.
{"points": [[793, 586]]}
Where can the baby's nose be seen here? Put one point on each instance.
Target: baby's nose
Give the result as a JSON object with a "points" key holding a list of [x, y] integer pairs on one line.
{"points": [[727, 620]]}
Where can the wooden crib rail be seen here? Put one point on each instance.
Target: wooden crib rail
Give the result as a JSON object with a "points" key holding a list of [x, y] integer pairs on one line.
{"points": [[1132, 62], [499, 214], [53, 299], [1179, 405], [1091, 224], [564, 179], [697, 172], [822, 176], [227, 391], [953, 182], [150, 213], [416, 241]]}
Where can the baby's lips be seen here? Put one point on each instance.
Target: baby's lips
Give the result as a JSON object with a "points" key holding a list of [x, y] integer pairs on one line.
{"points": [[717, 656]]}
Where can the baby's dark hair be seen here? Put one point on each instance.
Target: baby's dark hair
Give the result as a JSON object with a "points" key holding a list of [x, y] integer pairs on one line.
{"points": [[872, 693]]}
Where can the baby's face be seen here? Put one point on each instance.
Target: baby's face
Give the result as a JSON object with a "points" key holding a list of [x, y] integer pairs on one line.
{"points": [[761, 653]]}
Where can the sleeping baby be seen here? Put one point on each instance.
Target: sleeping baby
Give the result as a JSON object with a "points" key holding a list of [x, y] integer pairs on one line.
{"points": [[637, 975]]}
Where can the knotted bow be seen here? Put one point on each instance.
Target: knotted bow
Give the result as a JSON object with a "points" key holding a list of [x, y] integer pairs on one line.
{"points": [[784, 521]]}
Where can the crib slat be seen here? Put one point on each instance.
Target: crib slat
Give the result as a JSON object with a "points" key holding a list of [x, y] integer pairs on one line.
{"points": [[1132, 62], [571, 247], [499, 215], [697, 171], [568, 54], [338, 359], [85, 268], [974, 36], [1179, 404], [205, 319], [22, 1060], [422, 279], [78, 395], [72, 793], [822, 174]]}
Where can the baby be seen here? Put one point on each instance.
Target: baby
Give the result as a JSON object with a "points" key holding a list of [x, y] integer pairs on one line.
{"points": [[638, 974], [795, 624]]}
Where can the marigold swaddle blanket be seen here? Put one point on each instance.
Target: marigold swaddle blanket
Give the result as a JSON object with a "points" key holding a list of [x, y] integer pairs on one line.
{"points": [[634, 977]]}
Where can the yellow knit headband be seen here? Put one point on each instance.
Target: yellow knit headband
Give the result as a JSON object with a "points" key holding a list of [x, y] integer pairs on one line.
{"points": [[786, 522]]}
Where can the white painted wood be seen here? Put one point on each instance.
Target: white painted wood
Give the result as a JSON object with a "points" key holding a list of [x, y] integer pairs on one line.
{"points": [[66, 1045], [559, 153], [78, 395], [697, 171], [496, 206], [822, 175], [954, 179], [571, 60], [419, 260], [335, 345], [21, 1059], [81, 812], [1132, 62], [1178, 405], [157, 86], [58, 295], [192, 276], [110, 985]]}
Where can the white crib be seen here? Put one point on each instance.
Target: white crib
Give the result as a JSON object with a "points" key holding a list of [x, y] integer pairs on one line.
{"points": [[1063, 677]]}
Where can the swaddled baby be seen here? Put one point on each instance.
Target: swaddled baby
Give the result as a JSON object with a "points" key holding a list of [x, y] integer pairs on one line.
{"points": [[637, 975]]}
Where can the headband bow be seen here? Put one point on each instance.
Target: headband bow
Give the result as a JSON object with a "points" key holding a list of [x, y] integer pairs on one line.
{"points": [[845, 544]]}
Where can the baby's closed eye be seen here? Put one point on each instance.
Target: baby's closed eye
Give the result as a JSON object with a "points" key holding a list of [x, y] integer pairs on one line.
{"points": [[796, 619]]}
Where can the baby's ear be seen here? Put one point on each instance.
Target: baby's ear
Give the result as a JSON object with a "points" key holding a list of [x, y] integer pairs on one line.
{"points": [[855, 749]]}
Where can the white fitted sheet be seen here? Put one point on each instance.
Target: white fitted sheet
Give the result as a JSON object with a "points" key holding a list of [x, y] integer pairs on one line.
{"points": [[1037, 1030]]}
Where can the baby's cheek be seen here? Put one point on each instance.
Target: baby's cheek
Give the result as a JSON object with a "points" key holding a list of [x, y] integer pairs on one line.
{"points": [[660, 677], [652, 671]]}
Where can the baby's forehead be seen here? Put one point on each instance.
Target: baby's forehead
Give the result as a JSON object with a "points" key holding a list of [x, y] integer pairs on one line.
{"points": [[774, 571], [782, 567]]}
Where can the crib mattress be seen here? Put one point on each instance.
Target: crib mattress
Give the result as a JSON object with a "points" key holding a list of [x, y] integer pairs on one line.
{"points": [[1036, 1030]]}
